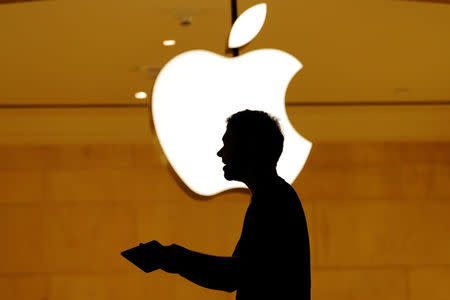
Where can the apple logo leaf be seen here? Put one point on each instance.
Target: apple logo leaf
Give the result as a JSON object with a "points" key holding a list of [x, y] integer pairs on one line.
{"points": [[247, 26]]}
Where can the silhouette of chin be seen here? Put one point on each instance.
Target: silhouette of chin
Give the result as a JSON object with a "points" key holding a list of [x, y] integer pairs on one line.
{"points": [[226, 172], [229, 173]]}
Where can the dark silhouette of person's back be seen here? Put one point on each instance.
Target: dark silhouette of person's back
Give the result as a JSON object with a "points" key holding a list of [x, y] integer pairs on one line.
{"points": [[275, 245], [271, 259]]}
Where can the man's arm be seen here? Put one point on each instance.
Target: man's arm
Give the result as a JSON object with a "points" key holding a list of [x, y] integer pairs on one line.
{"points": [[209, 271]]}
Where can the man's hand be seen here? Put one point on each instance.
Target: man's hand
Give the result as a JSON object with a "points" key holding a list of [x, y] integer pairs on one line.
{"points": [[166, 255], [148, 257], [153, 244], [170, 259]]}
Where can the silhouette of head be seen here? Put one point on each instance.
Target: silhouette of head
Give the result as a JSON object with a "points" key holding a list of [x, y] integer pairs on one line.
{"points": [[253, 142]]}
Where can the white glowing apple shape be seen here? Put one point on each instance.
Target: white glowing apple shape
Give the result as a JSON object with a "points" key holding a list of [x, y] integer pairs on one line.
{"points": [[198, 90]]}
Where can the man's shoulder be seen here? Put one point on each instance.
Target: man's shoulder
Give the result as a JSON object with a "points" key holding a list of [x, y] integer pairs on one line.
{"points": [[279, 196], [285, 192], [288, 187]]}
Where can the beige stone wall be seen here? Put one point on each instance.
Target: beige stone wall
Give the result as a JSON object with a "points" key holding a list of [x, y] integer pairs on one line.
{"points": [[378, 216]]}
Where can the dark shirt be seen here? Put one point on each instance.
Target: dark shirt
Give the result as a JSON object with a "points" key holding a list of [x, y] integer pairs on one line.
{"points": [[271, 259]]}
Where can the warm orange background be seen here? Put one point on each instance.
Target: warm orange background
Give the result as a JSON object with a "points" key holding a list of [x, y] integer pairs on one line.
{"points": [[373, 98], [378, 216]]}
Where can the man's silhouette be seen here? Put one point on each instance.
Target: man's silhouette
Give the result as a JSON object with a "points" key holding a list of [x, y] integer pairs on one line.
{"points": [[271, 259]]}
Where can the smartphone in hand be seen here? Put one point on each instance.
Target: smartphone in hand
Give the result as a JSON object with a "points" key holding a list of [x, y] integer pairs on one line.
{"points": [[147, 257]]}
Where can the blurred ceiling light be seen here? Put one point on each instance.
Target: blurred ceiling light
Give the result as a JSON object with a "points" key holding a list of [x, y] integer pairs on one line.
{"points": [[169, 42], [140, 95]]}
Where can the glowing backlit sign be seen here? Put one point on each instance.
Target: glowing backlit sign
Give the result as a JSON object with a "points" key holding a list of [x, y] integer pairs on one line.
{"points": [[197, 90]]}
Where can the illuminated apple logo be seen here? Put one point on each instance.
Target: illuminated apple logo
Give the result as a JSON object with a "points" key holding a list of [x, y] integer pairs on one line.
{"points": [[197, 90]]}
